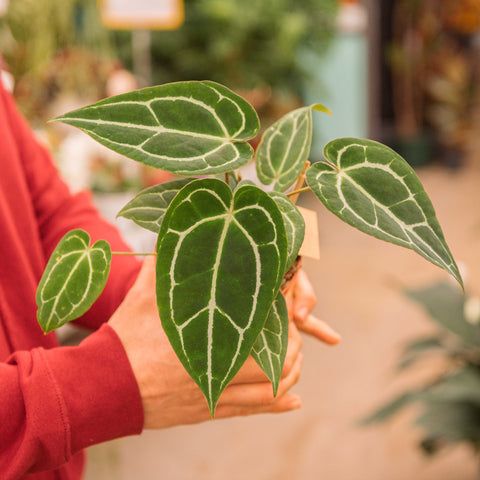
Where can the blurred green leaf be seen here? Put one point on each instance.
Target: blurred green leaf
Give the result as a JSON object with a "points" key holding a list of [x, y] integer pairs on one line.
{"points": [[444, 304], [419, 349], [453, 421], [393, 407]]}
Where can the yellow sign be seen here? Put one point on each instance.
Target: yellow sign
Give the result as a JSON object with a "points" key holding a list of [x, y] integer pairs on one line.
{"points": [[142, 14]]}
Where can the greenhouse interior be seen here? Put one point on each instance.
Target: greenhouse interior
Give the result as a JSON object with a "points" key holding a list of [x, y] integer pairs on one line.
{"points": [[388, 87]]}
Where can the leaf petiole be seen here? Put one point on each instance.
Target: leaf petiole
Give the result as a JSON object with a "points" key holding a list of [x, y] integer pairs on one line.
{"points": [[296, 192], [139, 254]]}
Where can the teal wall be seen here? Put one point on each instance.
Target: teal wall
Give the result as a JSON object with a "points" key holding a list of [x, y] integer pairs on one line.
{"points": [[339, 80]]}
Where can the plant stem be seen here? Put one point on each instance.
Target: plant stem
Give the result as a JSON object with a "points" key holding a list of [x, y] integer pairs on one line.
{"points": [[138, 254], [296, 192], [227, 178], [300, 181]]}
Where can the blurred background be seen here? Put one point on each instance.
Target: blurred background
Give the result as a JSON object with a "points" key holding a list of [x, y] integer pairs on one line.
{"points": [[399, 398]]}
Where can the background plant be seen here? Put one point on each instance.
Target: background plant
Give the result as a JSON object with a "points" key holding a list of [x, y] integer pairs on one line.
{"points": [[449, 404]]}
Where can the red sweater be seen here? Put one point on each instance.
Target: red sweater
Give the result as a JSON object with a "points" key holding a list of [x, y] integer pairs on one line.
{"points": [[54, 401]]}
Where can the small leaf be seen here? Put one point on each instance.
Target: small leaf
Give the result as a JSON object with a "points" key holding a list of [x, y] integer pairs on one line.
{"points": [[149, 206], [372, 188], [271, 346], [294, 226], [321, 108], [220, 262], [284, 149], [73, 279], [188, 128]]}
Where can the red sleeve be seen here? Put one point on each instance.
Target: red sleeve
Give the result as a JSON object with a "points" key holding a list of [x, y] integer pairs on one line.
{"points": [[56, 401], [58, 211], [64, 399]]}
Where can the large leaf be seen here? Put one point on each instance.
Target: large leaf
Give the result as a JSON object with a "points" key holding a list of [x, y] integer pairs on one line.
{"points": [[188, 128], [294, 226], [220, 262], [284, 149], [372, 188], [271, 346], [73, 279], [149, 206]]}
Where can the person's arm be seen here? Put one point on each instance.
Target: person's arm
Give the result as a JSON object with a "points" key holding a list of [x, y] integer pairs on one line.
{"points": [[58, 401], [122, 378]]}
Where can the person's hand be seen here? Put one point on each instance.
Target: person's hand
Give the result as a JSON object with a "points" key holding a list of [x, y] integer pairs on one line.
{"points": [[169, 396], [301, 300]]}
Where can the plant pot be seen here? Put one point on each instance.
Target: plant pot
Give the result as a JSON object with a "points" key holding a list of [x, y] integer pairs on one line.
{"points": [[417, 150]]}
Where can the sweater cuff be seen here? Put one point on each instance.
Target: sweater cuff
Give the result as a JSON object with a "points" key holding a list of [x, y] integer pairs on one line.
{"points": [[98, 387]]}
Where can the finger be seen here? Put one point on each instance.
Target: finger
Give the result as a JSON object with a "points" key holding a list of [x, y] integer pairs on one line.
{"points": [[319, 329], [287, 403], [304, 297], [293, 350], [260, 394]]}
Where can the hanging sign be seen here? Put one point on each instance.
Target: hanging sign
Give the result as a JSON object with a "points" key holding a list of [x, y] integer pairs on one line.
{"points": [[142, 14]]}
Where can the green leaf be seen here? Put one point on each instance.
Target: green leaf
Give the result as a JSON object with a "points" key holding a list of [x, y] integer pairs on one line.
{"points": [[451, 421], [321, 108], [188, 128], [461, 386], [271, 346], [232, 179], [220, 262], [284, 149], [149, 206], [393, 407], [73, 279], [418, 349], [445, 306], [294, 226], [372, 188]]}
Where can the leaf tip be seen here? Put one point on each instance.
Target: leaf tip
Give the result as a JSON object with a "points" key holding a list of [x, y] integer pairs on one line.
{"points": [[321, 108]]}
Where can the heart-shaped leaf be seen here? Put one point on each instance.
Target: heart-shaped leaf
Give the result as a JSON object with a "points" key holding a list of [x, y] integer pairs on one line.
{"points": [[73, 279], [284, 148], [149, 206], [372, 188], [271, 346], [188, 128], [294, 226], [220, 262]]}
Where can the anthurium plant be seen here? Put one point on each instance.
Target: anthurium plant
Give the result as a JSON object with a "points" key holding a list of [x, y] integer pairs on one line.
{"points": [[224, 244]]}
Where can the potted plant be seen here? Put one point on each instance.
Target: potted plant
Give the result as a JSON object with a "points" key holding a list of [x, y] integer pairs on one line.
{"points": [[225, 244], [450, 406]]}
